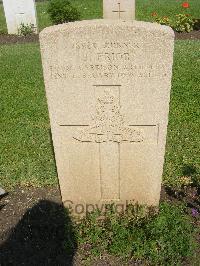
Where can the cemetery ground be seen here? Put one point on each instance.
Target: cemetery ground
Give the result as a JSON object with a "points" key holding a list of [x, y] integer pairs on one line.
{"points": [[27, 163], [93, 10], [34, 227]]}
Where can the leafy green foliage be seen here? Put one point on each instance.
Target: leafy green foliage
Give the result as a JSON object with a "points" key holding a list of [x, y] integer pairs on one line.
{"points": [[145, 9], [61, 11], [26, 29], [157, 238], [163, 21], [183, 23]]}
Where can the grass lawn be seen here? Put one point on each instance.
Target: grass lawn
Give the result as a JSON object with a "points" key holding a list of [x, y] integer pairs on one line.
{"points": [[182, 153], [27, 157], [91, 9], [26, 154]]}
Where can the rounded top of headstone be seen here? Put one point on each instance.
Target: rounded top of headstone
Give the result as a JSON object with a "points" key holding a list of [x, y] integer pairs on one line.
{"points": [[111, 24]]}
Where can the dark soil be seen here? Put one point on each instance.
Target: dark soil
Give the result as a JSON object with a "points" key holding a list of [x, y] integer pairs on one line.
{"points": [[193, 35], [32, 231], [32, 226], [32, 220], [15, 39]]}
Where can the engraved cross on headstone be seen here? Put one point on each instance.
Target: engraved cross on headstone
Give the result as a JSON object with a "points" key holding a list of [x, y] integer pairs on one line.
{"points": [[119, 11], [109, 130]]}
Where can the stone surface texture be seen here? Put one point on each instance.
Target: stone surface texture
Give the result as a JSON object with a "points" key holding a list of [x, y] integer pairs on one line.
{"points": [[119, 9], [17, 12], [108, 90]]}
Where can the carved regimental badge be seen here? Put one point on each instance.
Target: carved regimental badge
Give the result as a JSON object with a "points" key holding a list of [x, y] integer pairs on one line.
{"points": [[108, 123]]}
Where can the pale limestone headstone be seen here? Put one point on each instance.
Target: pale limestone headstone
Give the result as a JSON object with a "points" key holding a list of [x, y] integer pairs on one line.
{"points": [[108, 90], [119, 9], [17, 12]]}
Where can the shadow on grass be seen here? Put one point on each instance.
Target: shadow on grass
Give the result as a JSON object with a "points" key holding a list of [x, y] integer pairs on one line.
{"points": [[44, 236], [189, 194], [189, 170], [197, 25]]}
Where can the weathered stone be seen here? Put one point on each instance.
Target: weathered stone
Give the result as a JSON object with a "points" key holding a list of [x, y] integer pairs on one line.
{"points": [[17, 12], [119, 9], [108, 90]]}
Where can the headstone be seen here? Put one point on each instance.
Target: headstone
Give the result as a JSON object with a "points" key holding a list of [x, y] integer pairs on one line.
{"points": [[108, 90], [17, 12], [119, 9]]}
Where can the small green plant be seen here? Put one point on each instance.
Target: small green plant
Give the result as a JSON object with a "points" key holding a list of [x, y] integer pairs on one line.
{"points": [[163, 21], [61, 11], [155, 238], [184, 181], [180, 23], [184, 22], [26, 29], [189, 178]]}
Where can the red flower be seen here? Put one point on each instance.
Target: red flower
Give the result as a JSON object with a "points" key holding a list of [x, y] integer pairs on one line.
{"points": [[154, 14], [185, 5]]}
